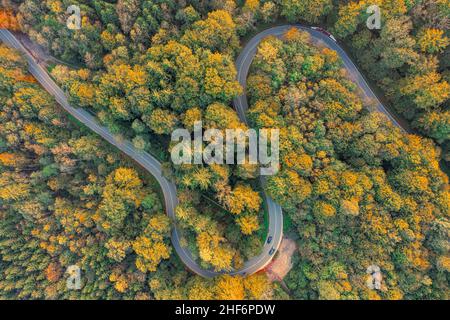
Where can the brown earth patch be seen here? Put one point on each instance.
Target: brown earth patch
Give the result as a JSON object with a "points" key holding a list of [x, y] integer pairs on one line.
{"points": [[282, 264]]}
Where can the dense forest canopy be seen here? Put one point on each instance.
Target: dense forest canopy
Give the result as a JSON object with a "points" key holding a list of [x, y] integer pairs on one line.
{"points": [[357, 190], [68, 198]]}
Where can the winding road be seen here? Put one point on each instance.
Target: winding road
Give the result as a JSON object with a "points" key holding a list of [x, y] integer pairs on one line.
{"points": [[245, 59], [152, 165]]}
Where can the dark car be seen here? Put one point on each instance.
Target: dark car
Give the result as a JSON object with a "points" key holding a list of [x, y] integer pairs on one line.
{"points": [[269, 239], [324, 32], [271, 251]]}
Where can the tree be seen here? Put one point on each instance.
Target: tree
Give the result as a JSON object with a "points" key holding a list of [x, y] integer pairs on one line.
{"points": [[220, 116], [127, 11], [213, 249], [230, 288], [161, 121], [121, 194], [217, 33], [432, 41], [288, 188], [268, 11], [219, 70], [248, 223], [256, 286], [76, 200], [8, 20], [200, 289], [426, 91], [435, 124], [309, 10], [243, 198], [152, 247], [350, 181], [117, 249], [348, 19]]}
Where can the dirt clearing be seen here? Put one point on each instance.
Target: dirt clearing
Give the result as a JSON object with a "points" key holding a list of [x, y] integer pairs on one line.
{"points": [[282, 264]]}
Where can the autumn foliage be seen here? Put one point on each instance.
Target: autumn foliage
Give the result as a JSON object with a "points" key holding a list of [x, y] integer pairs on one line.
{"points": [[8, 20], [355, 190]]}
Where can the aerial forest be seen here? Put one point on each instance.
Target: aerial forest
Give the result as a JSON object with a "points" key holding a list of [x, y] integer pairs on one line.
{"points": [[355, 189]]}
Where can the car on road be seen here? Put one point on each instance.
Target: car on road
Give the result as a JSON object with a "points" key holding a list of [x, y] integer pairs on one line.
{"points": [[324, 32], [269, 239], [271, 251]]}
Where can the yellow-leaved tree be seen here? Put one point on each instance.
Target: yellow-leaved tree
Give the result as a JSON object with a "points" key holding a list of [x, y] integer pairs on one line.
{"points": [[230, 288], [153, 246]]}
